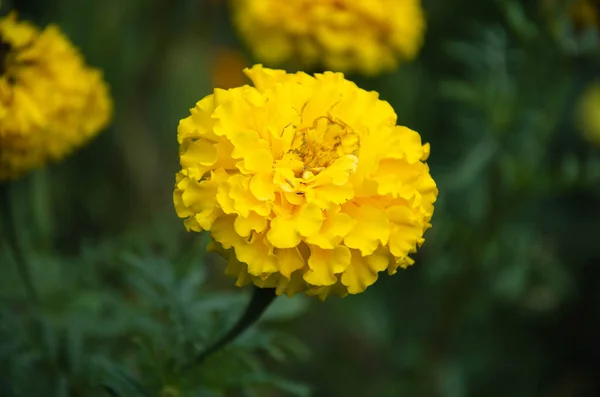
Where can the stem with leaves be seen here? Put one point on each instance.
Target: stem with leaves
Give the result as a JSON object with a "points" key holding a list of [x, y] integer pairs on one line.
{"points": [[11, 235], [261, 299]]}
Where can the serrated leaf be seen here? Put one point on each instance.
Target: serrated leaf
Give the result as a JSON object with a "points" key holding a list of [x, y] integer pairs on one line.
{"points": [[217, 302], [294, 388], [156, 270], [472, 165], [120, 381], [190, 285], [518, 20]]}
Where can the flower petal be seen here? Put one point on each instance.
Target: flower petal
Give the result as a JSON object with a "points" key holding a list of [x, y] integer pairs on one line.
{"points": [[283, 233], [223, 232], [325, 264], [258, 161], [290, 260], [336, 226], [253, 222], [406, 231], [362, 271], [262, 187], [372, 228], [258, 254], [309, 219]]}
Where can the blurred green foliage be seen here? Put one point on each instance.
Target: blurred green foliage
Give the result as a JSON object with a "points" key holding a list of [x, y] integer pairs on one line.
{"points": [[502, 300]]}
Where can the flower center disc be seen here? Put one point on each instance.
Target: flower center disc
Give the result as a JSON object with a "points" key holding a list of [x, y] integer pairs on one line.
{"points": [[317, 147]]}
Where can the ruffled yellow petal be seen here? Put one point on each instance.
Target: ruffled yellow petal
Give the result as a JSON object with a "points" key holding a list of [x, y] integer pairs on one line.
{"points": [[244, 226], [324, 264], [362, 271], [283, 233], [336, 226], [258, 254], [290, 260], [309, 219], [372, 229]]}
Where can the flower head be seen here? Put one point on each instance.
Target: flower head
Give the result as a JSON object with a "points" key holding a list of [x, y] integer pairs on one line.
{"points": [[589, 113], [305, 183], [50, 101], [341, 35]]}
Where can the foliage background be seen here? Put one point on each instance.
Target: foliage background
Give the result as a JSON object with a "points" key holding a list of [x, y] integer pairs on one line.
{"points": [[503, 299]]}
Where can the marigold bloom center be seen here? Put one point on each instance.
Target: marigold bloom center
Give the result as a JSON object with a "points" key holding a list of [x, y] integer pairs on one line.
{"points": [[317, 147]]}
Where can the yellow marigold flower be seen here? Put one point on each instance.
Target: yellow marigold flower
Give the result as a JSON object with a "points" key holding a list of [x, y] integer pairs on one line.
{"points": [[50, 101], [341, 35], [589, 113], [305, 183]]}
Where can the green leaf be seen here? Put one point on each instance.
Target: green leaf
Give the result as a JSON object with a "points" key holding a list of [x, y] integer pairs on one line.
{"points": [[472, 165], [74, 347], [285, 309], [293, 388], [118, 381], [191, 283], [518, 21], [460, 91]]}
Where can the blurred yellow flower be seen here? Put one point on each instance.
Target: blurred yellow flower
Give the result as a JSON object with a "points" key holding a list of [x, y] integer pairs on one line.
{"points": [[585, 14], [588, 111], [575, 23], [50, 101], [305, 183], [341, 35]]}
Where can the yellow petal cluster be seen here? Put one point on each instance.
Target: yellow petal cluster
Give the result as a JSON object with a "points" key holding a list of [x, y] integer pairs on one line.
{"points": [[50, 101], [589, 113], [305, 183], [366, 36]]}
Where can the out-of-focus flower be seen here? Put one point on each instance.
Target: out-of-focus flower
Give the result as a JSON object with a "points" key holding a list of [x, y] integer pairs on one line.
{"points": [[340, 35], [588, 113], [50, 101], [305, 183], [227, 68], [575, 24], [585, 14]]}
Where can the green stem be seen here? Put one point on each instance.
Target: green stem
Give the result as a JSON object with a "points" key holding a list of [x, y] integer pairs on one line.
{"points": [[11, 236], [41, 206], [261, 299]]}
